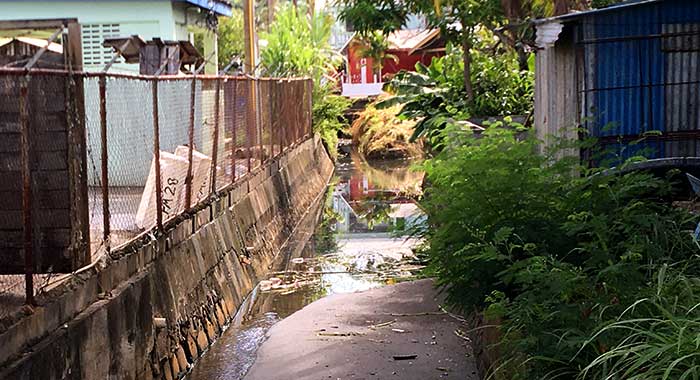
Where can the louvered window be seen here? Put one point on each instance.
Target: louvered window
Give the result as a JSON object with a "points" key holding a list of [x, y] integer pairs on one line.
{"points": [[93, 36]]}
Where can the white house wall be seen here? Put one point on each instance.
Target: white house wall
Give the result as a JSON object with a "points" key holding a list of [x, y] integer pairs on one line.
{"points": [[145, 18]]}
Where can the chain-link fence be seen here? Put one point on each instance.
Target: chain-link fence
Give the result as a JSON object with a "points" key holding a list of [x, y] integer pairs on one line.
{"points": [[113, 157], [207, 133]]}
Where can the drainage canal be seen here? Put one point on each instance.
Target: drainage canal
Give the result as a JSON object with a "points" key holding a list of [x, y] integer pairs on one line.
{"points": [[358, 242]]}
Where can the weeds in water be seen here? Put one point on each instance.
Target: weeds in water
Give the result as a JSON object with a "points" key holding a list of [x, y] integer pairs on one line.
{"points": [[324, 235]]}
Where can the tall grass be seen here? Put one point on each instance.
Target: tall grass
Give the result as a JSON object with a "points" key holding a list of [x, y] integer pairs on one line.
{"points": [[657, 337]]}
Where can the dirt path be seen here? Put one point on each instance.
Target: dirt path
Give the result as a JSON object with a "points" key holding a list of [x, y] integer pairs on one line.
{"points": [[352, 336]]}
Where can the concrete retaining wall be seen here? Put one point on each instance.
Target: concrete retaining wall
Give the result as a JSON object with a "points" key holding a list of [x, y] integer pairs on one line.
{"points": [[153, 307]]}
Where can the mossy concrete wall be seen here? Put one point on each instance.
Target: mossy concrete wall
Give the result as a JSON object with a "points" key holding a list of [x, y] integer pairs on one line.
{"points": [[151, 309]]}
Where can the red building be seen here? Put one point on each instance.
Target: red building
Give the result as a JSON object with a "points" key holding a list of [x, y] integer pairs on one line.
{"points": [[409, 46]]}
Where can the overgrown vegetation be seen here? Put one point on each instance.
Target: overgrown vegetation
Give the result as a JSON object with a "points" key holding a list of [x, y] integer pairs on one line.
{"points": [[378, 133], [434, 95], [461, 22], [591, 274], [374, 46], [324, 233], [230, 42], [298, 45]]}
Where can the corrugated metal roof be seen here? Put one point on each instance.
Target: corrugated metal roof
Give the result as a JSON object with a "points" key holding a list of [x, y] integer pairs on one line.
{"points": [[220, 7], [411, 39], [576, 15], [54, 47]]}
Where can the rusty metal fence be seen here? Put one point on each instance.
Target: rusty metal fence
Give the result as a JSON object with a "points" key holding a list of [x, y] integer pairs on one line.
{"points": [[152, 149], [159, 146]]}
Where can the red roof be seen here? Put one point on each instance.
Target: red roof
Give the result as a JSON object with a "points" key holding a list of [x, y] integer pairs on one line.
{"points": [[411, 39]]}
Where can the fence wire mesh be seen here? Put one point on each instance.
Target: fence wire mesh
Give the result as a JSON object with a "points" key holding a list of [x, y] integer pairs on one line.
{"points": [[207, 132]]}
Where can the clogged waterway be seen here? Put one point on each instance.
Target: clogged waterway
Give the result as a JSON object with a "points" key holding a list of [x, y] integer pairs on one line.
{"points": [[359, 245]]}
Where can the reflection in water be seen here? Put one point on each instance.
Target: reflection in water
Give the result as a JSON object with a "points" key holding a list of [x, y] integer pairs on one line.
{"points": [[371, 200], [376, 196]]}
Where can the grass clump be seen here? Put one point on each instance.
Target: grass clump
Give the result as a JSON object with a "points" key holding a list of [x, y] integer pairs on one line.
{"points": [[380, 134]]}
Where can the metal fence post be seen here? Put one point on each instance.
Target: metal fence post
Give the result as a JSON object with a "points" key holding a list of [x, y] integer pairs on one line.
{"points": [[283, 111], [300, 108], [310, 110], [190, 143], [297, 113], [259, 121], [271, 118], [250, 120], [289, 130], [233, 130], [156, 154], [215, 139], [290, 104], [285, 129], [26, 191], [105, 169]]}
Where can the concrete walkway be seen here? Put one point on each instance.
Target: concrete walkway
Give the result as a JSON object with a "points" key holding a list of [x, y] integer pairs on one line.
{"points": [[368, 335]]}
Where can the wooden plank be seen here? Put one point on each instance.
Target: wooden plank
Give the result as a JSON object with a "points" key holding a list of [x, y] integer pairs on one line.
{"points": [[52, 161], [8, 86], [36, 24], [59, 187], [11, 181], [55, 238], [10, 200], [53, 218], [74, 48], [47, 238], [51, 180], [51, 141], [55, 199], [10, 105], [10, 162], [9, 260], [10, 220], [53, 122], [9, 123], [9, 143], [10, 238]]}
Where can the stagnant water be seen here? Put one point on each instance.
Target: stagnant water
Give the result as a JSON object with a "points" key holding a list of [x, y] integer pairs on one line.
{"points": [[360, 244]]}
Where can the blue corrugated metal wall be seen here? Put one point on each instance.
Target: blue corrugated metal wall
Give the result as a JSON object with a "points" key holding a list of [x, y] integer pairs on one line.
{"points": [[625, 92]]}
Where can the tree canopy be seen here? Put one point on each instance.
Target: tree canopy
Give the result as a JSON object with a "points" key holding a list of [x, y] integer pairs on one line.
{"points": [[460, 20]]}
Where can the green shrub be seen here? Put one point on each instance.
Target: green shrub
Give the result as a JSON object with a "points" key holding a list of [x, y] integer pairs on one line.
{"points": [[553, 250], [500, 87], [329, 116], [434, 95]]}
